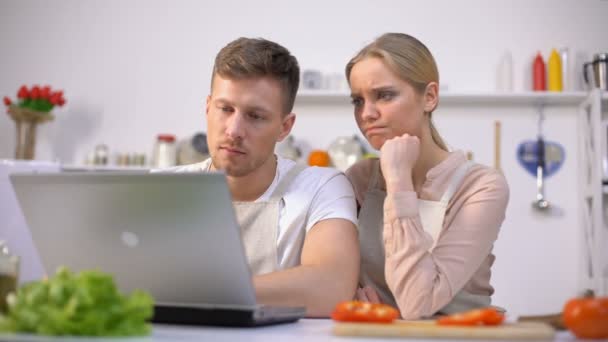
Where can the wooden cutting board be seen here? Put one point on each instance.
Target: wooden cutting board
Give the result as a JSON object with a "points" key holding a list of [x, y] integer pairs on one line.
{"points": [[428, 329]]}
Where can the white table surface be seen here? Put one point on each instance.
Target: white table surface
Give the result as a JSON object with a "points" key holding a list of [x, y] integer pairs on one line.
{"points": [[309, 330]]}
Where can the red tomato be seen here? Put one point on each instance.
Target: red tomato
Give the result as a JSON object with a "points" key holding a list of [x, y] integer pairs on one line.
{"points": [[587, 317], [356, 311], [486, 316], [7, 101]]}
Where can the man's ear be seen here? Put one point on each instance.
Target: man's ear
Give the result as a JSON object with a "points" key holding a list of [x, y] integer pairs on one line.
{"points": [[207, 104], [286, 126], [431, 97]]}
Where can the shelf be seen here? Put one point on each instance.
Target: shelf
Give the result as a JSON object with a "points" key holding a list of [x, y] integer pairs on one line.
{"points": [[521, 99]]}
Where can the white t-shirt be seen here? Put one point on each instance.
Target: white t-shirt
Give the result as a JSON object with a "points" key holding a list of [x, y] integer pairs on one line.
{"points": [[315, 194]]}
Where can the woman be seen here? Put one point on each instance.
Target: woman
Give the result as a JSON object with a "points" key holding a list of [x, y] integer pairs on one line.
{"points": [[428, 218]]}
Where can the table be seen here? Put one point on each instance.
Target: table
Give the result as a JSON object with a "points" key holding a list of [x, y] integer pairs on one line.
{"points": [[309, 330]]}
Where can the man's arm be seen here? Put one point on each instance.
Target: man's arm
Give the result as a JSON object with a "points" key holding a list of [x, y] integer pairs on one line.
{"points": [[328, 272]]}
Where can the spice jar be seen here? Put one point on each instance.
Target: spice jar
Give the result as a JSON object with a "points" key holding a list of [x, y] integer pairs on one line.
{"points": [[165, 152]]}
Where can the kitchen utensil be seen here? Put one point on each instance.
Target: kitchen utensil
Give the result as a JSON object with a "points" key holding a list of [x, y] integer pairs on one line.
{"points": [[192, 149], [429, 329], [288, 149], [540, 203], [345, 151], [312, 79], [528, 158], [599, 78], [554, 320], [497, 127]]}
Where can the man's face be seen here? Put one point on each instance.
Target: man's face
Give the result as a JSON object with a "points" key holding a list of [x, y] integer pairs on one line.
{"points": [[245, 120]]}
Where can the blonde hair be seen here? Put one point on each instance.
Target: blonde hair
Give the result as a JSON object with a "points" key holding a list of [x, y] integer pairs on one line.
{"points": [[410, 60]]}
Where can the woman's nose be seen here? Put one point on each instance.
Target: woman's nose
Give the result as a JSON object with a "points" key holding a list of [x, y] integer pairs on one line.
{"points": [[369, 112]]}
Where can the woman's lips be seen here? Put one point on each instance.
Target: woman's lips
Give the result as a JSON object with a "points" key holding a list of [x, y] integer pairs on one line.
{"points": [[374, 130]]}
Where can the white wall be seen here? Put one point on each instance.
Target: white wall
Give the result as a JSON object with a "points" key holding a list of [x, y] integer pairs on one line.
{"points": [[132, 69]]}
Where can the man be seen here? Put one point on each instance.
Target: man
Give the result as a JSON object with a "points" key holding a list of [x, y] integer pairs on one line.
{"points": [[298, 223]]}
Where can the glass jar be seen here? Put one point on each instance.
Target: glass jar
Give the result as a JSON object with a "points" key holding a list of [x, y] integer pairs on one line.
{"points": [[9, 274], [164, 151]]}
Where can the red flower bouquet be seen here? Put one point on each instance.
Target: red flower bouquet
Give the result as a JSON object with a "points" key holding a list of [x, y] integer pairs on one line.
{"points": [[32, 108], [40, 99]]}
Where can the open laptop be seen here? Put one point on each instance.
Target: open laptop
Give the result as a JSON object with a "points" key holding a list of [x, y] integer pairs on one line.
{"points": [[173, 235]]}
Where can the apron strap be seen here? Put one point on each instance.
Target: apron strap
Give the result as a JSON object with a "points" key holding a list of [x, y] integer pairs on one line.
{"points": [[457, 179], [373, 179], [281, 188]]}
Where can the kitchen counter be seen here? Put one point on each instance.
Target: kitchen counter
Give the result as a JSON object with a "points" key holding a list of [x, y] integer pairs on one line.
{"points": [[309, 330]]}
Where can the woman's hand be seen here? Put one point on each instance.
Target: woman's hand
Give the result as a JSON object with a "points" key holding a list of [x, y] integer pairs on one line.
{"points": [[397, 159], [367, 294]]}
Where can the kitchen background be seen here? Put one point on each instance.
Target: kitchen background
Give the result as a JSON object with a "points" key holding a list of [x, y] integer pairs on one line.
{"points": [[134, 69]]}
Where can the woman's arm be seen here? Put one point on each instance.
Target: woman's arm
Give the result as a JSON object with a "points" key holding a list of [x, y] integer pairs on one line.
{"points": [[423, 282]]}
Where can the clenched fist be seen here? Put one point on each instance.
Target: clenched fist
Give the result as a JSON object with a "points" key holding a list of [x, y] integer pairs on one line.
{"points": [[397, 159]]}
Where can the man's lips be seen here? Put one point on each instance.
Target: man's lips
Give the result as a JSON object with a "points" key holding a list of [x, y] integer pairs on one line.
{"points": [[232, 150]]}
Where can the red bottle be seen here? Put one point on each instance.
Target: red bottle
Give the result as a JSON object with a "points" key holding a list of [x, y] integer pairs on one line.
{"points": [[539, 76]]}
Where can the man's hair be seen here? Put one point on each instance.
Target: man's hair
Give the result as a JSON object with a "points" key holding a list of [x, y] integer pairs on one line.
{"points": [[256, 57]]}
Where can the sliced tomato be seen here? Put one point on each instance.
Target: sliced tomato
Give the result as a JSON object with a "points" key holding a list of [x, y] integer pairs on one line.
{"points": [[486, 316], [357, 311]]}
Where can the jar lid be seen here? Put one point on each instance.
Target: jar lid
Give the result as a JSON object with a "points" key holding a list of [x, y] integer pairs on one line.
{"points": [[600, 57], [166, 137]]}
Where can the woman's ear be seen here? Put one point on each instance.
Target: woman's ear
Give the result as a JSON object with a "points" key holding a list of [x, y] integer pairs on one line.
{"points": [[431, 97]]}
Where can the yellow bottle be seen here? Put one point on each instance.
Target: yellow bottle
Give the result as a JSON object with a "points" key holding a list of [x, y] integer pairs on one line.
{"points": [[555, 71]]}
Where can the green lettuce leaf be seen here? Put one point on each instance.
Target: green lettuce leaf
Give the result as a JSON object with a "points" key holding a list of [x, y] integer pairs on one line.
{"points": [[83, 304]]}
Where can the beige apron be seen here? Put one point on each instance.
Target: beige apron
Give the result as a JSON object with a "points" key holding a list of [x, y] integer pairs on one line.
{"points": [[372, 246], [259, 222]]}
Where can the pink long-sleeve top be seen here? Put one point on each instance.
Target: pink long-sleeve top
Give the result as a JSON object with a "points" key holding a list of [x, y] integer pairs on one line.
{"points": [[423, 281]]}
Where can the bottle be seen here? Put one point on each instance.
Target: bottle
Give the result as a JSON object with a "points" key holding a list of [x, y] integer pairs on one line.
{"points": [[555, 71], [566, 70], [164, 151], [539, 73], [504, 74]]}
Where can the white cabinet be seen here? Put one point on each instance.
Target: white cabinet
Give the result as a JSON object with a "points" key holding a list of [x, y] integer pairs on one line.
{"points": [[593, 115]]}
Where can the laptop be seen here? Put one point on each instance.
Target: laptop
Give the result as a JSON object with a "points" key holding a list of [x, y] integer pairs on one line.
{"points": [[174, 235]]}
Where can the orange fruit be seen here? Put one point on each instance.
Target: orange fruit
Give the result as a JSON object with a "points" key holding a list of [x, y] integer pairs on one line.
{"points": [[319, 158]]}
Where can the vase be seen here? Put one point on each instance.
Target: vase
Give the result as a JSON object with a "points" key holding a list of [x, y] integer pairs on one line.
{"points": [[26, 122]]}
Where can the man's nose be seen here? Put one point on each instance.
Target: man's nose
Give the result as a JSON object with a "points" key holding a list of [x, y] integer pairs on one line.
{"points": [[235, 127]]}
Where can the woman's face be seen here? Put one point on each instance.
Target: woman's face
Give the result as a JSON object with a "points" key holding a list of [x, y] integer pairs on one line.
{"points": [[385, 106]]}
